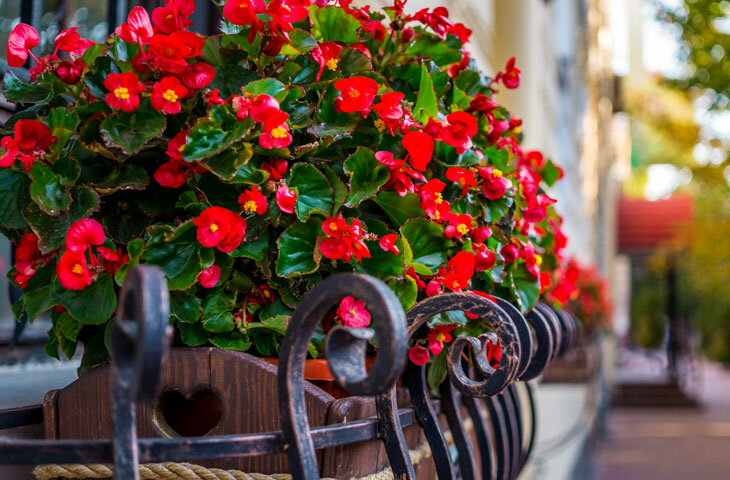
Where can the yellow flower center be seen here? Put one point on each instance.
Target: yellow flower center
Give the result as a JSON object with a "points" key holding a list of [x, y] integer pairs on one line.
{"points": [[518, 130], [353, 313], [78, 269], [181, 148], [278, 132], [354, 93], [496, 173], [333, 227], [538, 259], [462, 229], [332, 63], [439, 198], [249, 206], [379, 124], [121, 92], [170, 95], [213, 227], [437, 215], [440, 336]]}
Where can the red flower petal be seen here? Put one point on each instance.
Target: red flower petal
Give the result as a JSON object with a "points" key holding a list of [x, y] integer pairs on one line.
{"points": [[83, 233], [20, 41]]}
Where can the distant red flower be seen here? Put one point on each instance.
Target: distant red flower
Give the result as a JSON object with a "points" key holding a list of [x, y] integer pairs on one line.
{"points": [[170, 174], [458, 226], [458, 272], [482, 103], [418, 355], [459, 130], [420, 147], [484, 259], [20, 41], [253, 201], [70, 41], [387, 243], [198, 75], [438, 336], [273, 46], [494, 354], [434, 287], [358, 94], [326, 55], [463, 176], [72, 271], [166, 95], [124, 90], [480, 235], [170, 52], [221, 228], [209, 277], [494, 184], [173, 16], [511, 76], [27, 259], [137, 29], [353, 312], [112, 259], [214, 98], [84, 233], [286, 199], [510, 253], [376, 29], [535, 211]]}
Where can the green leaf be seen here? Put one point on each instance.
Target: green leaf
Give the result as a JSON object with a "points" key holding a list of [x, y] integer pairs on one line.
{"points": [[338, 187], [367, 175], [229, 78], [297, 245], [437, 372], [527, 288], [428, 243], [178, 254], [51, 346], [95, 350], [212, 52], [17, 91], [336, 25], [400, 209], [315, 192], [406, 290], [185, 306], [427, 105], [51, 230], [47, 191], [551, 173], [37, 294], [226, 164], [381, 264], [92, 53], [110, 177], [217, 307], [68, 169], [214, 134], [255, 249], [299, 42], [233, 341], [93, 305], [68, 326], [277, 323], [63, 117], [193, 334], [14, 196], [354, 61], [432, 47], [268, 86], [132, 131]]}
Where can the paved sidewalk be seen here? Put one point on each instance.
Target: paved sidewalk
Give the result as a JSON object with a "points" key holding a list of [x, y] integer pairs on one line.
{"points": [[668, 444]]}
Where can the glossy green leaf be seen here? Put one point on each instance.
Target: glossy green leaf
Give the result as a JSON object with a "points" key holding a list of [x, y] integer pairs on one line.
{"points": [[185, 306], [213, 134], [399, 209], [338, 187], [229, 79], [428, 243], [299, 42], [226, 164], [234, 341], [315, 192], [527, 288], [217, 307], [178, 254], [193, 334], [18, 91], [367, 175], [431, 46], [131, 131], [426, 104], [381, 264], [268, 86], [406, 290], [47, 191], [297, 249], [336, 25], [14, 196], [37, 294], [255, 249], [93, 305]]}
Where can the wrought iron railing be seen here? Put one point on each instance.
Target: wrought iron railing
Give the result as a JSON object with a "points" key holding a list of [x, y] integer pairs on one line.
{"points": [[505, 437]]}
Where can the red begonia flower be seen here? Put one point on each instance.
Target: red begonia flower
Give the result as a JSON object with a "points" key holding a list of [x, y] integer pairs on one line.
{"points": [[243, 12], [112, 260], [431, 197], [389, 109], [70, 72], [170, 52], [357, 248], [221, 228], [176, 145], [434, 287], [510, 253], [72, 272], [276, 168], [276, 131], [494, 184], [333, 248], [463, 176], [358, 94], [173, 16], [458, 226], [27, 249], [458, 272], [286, 199], [253, 201], [387, 243], [124, 90], [70, 41], [209, 277], [353, 313], [418, 355], [84, 233], [459, 130], [484, 259], [326, 55], [166, 95], [262, 108], [20, 41], [137, 29], [170, 174], [511, 76], [376, 29], [11, 151], [438, 336], [198, 75], [480, 235], [362, 48], [420, 147], [32, 136], [335, 227], [482, 103]]}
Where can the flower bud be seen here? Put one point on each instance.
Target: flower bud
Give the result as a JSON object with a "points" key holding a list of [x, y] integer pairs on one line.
{"points": [[68, 72]]}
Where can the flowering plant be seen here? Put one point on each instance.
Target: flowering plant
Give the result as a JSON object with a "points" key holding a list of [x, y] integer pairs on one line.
{"points": [[307, 138]]}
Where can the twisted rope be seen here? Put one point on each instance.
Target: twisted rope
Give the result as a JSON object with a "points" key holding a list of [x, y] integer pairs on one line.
{"points": [[190, 471]]}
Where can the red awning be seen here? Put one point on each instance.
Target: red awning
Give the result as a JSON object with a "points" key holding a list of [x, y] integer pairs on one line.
{"points": [[644, 224]]}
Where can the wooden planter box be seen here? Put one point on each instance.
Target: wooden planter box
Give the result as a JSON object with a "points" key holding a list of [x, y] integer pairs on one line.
{"points": [[208, 391]]}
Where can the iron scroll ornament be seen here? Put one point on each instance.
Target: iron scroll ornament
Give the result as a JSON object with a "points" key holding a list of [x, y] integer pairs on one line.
{"points": [[346, 357]]}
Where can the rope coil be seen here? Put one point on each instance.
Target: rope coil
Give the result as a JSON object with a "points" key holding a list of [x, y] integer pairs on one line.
{"points": [[190, 471]]}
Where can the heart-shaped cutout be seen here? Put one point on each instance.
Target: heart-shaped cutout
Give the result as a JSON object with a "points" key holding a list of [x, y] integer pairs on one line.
{"points": [[187, 415]]}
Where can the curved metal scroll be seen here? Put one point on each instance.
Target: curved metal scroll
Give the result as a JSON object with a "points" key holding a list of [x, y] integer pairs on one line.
{"points": [[139, 342], [346, 356]]}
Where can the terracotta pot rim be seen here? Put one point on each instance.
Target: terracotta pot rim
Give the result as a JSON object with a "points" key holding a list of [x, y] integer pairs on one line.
{"points": [[317, 368]]}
